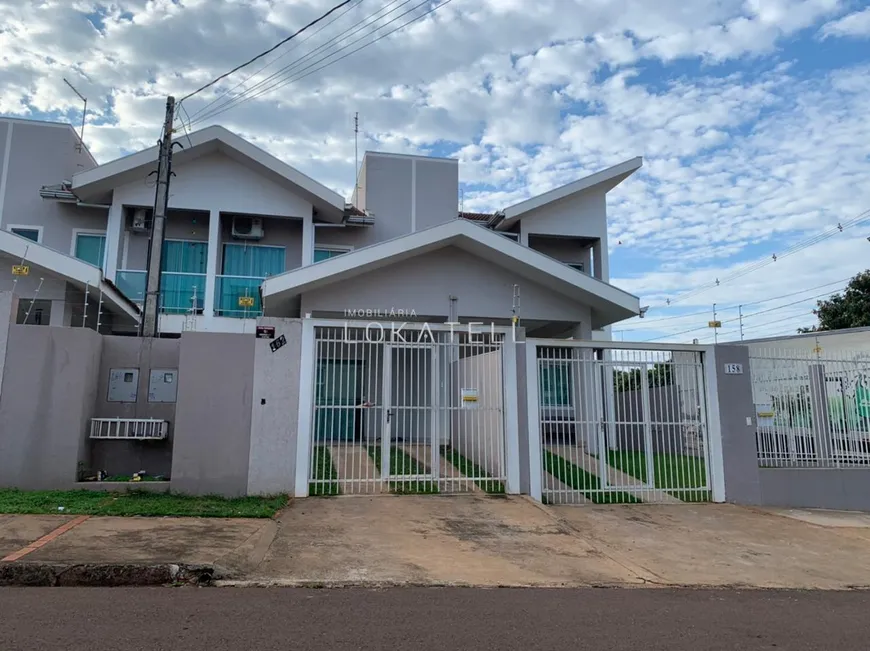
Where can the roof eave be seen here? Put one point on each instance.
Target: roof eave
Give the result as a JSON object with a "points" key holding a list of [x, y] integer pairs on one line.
{"points": [[606, 179]]}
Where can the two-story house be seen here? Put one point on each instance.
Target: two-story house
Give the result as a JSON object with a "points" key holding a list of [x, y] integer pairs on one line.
{"points": [[249, 235]]}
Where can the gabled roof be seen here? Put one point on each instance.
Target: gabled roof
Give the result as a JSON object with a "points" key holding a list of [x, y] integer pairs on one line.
{"points": [[604, 180], [610, 304], [104, 178], [74, 271]]}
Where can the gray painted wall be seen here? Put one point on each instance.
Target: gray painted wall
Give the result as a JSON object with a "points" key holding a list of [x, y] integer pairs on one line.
{"points": [[8, 310], [821, 488], [211, 447], [44, 154], [127, 457], [564, 249], [49, 391], [274, 410], [484, 290], [437, 192], [739, 454]]}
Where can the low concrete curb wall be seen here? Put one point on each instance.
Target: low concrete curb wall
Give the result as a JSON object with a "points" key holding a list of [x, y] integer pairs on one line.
{"points": [[106, 574]]}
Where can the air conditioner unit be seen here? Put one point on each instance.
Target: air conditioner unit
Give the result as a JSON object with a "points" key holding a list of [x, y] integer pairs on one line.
{"points": [[140, 221], [248, 228]]}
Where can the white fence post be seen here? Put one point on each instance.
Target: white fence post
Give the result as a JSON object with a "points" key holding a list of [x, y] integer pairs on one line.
{"points": [[306, 409], [511, 416], [716, 468], [534, 422]]}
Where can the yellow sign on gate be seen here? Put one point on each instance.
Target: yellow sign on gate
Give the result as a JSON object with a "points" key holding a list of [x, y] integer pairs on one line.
{"points": [[246, 301], [20, 270]]}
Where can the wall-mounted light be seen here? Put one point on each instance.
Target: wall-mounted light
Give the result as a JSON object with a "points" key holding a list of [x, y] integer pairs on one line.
{"points": [[643, 311]]}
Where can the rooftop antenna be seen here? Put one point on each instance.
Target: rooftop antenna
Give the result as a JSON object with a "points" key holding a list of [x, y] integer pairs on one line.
{"points": [[84, 115], [355, 155]]}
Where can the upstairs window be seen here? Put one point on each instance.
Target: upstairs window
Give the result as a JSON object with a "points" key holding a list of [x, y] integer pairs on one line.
{"points": [[321, 254], [33, 234], [90, 248]]}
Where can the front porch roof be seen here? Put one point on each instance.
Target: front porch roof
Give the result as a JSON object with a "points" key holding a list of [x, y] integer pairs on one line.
{"points": [[96, 182], [609, 304], [75, 272]]}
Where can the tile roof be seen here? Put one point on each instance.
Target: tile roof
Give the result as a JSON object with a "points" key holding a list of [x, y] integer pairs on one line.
{"points": [[476, 216]]}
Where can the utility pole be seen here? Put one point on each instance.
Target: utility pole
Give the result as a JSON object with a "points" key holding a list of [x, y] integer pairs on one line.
{"points": [[740, 311], [715, 326], [161, 199]]}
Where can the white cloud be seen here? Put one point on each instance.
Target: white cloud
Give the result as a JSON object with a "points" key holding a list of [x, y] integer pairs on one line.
{"points": [[855, 24], [529, 95]]}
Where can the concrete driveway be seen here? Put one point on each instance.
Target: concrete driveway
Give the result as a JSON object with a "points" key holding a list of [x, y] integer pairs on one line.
{"points": [[500, 541]]}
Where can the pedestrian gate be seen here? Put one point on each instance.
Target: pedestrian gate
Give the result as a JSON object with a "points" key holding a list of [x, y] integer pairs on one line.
{"points": [[620, 425], [410, 409]]}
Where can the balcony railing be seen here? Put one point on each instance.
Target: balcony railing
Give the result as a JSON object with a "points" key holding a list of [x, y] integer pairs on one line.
{"points": [[132, 284], [180, 293], [238, 296]]}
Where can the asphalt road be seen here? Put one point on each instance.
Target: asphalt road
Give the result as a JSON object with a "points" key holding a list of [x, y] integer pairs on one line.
{"points": [[221, 619]]}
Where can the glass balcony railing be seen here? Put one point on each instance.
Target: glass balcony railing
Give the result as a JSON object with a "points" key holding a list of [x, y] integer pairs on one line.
{"points": [[181, 293], [132, 284], [238, 296]]}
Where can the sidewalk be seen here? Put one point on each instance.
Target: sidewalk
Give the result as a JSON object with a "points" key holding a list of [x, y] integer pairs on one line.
{"points": [[86, 550], [467, 540]]}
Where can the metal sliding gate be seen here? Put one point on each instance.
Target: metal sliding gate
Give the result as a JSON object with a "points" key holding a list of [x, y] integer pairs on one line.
{"points": [[621, 425], [415, 409]]}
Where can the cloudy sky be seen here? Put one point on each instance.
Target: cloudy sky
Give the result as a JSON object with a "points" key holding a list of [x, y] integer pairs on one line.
{"points": [[751, 116]]}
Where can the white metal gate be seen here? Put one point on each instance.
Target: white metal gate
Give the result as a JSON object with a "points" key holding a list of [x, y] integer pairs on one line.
{"points": [[812, 407], [410, 409], [619, 424]]}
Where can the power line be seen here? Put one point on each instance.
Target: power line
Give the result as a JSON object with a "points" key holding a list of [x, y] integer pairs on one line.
{"points": [[281, 56], [270, 50], [758, 264], [733, 307], [294, 79], [745, 316], [350, 31]]}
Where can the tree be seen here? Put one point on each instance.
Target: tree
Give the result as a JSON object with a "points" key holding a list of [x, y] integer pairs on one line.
{"points": [[851, 309]]}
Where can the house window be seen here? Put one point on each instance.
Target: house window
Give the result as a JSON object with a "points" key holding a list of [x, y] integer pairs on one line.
{"points": [[556, 384], [578, 266], [90, 248], [324, 254], [33, 234], [511, 236], [253, 261]]}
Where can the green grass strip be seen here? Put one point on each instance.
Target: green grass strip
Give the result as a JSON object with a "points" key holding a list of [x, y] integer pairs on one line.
{"points": [[468, 468], [138, 503], [684, 476], [402, 463], [324, 473], [577, 478]]}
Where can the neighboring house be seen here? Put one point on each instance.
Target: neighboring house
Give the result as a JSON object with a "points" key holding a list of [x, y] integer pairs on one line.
{"points": [[61, 242], [249, 235]]}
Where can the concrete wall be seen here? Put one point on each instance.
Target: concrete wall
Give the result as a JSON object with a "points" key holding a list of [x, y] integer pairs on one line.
{"points": [[822, 488], [48, 397], [424, 284], [43, 153], [404, 194], [478, 433], [583, 215], [274, 410], [127, 457], [216, 181], [212, 441], [8, 310]]}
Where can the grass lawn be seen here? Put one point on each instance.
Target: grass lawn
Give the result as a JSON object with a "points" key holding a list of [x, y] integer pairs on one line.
{"points": [[471, 469], [683, 476], [84, 502], [325, 471], [402, 463], [585, 482]]}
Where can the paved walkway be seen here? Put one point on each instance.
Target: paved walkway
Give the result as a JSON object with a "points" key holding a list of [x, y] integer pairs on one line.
{"points": [[357, 470], [615, 478]]}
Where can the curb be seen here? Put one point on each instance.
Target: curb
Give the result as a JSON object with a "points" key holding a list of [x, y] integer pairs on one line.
{"points": [[24, 574]]}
